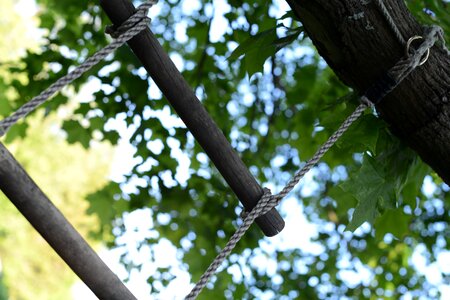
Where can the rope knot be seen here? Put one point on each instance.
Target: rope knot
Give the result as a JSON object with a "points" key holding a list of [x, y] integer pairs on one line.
{"points": [[365, 100], [264, 205], [139, 16], [420, 55]]}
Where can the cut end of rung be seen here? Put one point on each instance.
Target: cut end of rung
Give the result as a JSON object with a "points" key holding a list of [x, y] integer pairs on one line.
{"points": [[271, 223]]}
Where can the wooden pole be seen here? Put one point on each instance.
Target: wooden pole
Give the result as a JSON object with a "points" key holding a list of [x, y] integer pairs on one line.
{"points": [[57, 231], [182, 98]]}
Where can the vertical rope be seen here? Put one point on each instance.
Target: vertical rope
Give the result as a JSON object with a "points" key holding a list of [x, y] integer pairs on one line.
{"points": [[387, 15]]}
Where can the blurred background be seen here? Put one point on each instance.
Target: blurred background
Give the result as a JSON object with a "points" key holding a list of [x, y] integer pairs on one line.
{"points": [[114, 157]]}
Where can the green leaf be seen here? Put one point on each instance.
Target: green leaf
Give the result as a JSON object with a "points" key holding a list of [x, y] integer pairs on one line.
{"points": [[101, 203], [5, 107], [345, 200], [363, 135], [288, 39], [16, 131], [289, 14], [393, 221], [369, 187], [416, 174], [379, 183], [253, 43], [261, 46], [256, 49], [75, 133], [254, 63], [96, 123]]}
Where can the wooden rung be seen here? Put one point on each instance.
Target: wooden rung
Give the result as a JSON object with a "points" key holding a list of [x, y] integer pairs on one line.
{"points": [[183, 99], [57, 231]]}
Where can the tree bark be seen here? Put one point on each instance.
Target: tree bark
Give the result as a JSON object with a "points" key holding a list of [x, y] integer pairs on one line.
{"points": [[360, 46]]}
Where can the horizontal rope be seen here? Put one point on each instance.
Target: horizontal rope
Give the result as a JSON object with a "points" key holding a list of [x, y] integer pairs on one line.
{"points": [[133, 26]]}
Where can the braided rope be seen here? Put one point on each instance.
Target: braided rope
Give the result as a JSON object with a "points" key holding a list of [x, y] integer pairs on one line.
{"points": [[443, 45], [390, 20], [138, 22], [268, 201], [131, 27], [406, 65], [388, 17]]}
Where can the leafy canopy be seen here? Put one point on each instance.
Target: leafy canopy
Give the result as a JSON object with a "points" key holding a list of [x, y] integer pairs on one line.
{"points": [[273, 96]]}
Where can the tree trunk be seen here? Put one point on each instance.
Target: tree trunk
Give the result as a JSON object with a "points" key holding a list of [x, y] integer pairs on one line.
{"points": [[360, 46]]}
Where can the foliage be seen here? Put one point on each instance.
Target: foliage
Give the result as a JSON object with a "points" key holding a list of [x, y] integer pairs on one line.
{"points": [[276, 100], [29, 269], [67, 173], [3, 289]]}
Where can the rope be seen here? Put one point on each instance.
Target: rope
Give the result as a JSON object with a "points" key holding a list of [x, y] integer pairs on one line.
{"points": [[131, 27], [387, 16], [268, 201], [138, 22], [442, 39], [406, 65]]}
